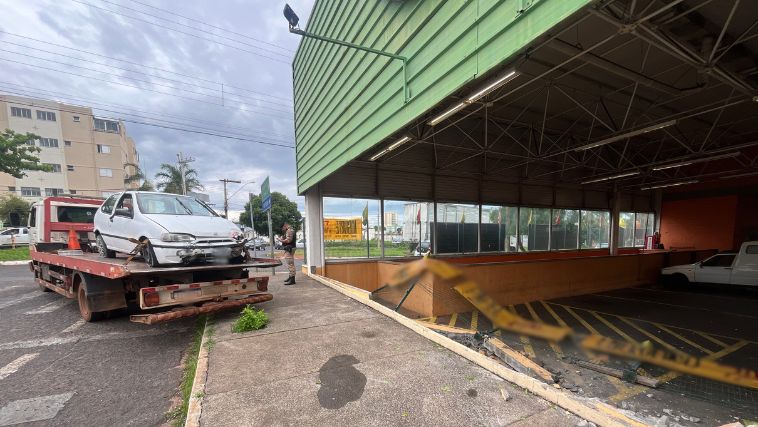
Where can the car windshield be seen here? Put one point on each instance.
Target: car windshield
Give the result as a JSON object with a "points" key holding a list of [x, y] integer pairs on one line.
{"points": [[171, 204]]}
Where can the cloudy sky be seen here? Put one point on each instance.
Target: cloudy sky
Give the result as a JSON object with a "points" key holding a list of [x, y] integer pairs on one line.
{"points": [[160, 64]]}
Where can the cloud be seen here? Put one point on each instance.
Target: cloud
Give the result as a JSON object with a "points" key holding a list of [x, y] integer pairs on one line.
{"points": [[257, 91]]}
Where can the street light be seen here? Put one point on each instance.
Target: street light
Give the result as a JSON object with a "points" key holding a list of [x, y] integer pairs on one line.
{"points": [[293, 21]]}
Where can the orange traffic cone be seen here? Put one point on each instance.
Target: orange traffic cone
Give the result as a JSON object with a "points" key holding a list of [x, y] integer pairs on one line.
{"points": [[73, 240]]}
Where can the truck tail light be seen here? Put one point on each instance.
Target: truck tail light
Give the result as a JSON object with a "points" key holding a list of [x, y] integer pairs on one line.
{"points": [[151, 299]]}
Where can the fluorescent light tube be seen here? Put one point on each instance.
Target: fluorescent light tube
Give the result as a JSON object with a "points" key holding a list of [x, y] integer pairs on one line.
{"points": [[394, 145], [673, 184], [693, 161], [449, 112], [610, 177], [626, 135], [398, 143], [492, 86]]}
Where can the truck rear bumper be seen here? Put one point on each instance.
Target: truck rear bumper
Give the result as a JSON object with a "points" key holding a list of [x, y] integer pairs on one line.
{"points": [[192, 293], [209, 307]]}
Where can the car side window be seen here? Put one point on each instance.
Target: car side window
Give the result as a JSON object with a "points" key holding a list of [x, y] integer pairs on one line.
{"points": [[126, 202], [751, 249], [108, 205], [719, 261]]}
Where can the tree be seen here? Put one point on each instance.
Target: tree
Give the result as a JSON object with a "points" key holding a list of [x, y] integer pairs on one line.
{"points": [[282, 210], [137, 176], [13, 210], [18, 155], [147, 185], [169, 179]]}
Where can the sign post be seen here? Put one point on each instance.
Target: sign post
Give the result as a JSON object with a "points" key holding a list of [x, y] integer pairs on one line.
{"points": [[266, 202]]}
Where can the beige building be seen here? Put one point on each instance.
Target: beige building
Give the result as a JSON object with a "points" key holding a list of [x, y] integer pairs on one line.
{"points": [[88, 154]]}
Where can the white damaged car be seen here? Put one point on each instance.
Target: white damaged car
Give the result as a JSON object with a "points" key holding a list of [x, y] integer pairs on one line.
{"points": [[180, 229]]}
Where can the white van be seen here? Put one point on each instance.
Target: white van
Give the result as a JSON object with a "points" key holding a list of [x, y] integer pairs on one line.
{"points": [[727, 268]]}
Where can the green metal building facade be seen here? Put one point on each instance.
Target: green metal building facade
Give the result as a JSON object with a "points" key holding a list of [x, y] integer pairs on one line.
{"points": [[348, 101]]}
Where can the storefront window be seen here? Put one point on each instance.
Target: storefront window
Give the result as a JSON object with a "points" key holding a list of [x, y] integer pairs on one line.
{"points": [[351, 228], [499, 228], [564, 229], [626, 229], [644, 224], [534, 229], [457, 228], [407, 228], [595, 229]]}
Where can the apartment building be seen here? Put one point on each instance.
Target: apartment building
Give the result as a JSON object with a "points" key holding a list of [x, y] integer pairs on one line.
{"points": [[88, 154]]}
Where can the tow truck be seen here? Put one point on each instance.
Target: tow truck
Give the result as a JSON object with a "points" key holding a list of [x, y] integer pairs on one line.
{"points": [[111, 285]]}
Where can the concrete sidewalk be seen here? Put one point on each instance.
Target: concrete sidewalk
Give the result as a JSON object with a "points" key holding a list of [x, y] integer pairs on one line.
{"points": [[325, 359]]}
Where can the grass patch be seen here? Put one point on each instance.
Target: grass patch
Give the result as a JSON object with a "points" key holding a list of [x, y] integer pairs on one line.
{"points": [[20, 253], [179, 414], [250, 320], [359, 249]]}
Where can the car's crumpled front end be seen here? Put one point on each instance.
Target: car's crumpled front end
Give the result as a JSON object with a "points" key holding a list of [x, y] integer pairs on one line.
{"points": [[181, 248]]}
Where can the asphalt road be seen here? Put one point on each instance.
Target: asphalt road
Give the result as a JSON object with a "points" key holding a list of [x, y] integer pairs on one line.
{"points": [[57, 370]]}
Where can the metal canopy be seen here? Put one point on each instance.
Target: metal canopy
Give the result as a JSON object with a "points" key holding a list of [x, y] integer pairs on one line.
{"points": [[631, 94]]}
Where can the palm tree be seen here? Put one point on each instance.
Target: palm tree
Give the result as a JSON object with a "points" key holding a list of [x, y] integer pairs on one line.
{"points": [[135, 178], [169, 179]]}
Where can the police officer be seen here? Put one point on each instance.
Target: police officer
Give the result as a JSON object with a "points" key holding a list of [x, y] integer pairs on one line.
{"points": [[288, 244]]}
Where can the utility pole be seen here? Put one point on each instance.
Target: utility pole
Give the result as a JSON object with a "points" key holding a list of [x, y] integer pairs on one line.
{"points": [[226, 199], [182, 161], [252, 225]]}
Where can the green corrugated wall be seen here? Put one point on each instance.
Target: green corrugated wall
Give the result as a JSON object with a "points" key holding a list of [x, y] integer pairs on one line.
{"points": [[347, 100]]}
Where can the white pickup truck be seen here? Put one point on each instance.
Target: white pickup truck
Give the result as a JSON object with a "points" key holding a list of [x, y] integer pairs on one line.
{"points": [[739, 268]]}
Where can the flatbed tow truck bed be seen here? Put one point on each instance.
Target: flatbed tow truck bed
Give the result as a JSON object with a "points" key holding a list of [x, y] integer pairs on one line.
{"points": [[164, 293]]}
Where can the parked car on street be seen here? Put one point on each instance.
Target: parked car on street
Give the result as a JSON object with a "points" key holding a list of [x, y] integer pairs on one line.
{"points": [[423, 248], [14, 236], [300, 244], [179, 229], [259, 244], [729, 268]]}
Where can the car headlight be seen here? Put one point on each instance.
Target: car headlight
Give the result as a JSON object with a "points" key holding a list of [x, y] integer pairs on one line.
{"points": [[177, 237]]}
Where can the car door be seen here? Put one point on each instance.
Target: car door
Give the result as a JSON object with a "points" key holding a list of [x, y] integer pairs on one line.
{"points": [[122, 224], [716, 269], [103, 222], [5, 237]]}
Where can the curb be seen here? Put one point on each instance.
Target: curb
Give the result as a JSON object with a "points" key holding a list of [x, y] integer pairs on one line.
{"points": [[22, 262], [195, 406], [595, 411]]}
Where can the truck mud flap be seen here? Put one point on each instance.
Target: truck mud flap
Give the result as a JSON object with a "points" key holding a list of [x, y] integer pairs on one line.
{"points": [[210, 307]]}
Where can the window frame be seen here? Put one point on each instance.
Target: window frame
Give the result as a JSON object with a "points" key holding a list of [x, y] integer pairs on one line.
{"points": [[44, 115], [103, 149], [37, 193], [22, 110], [109, 174]]}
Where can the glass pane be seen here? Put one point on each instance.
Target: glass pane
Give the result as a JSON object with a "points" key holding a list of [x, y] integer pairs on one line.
{"points": [[626, 229], [564, 230], [407, 228], [595, 230], [534, 229], [457, 228], [351, 228], [499, 228]]}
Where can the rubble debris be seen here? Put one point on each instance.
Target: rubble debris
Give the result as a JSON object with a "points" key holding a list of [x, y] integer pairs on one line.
{"points": [[618, 373], [518, 362]]}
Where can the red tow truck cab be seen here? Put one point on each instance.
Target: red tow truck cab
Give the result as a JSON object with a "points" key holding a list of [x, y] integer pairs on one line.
{"points": [[103, 285]]}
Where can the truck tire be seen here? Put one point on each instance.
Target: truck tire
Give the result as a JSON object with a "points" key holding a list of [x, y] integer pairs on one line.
{"points": [[103, 250], [84, 308], [148, 254]]}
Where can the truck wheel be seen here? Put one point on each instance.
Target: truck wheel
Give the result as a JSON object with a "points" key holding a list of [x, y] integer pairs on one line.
{"points": [[148, 254], [84, 309], [103, 250]]}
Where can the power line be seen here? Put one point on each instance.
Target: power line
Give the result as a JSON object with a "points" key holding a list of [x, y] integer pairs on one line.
{"points": [[42, 92], [142, 65], [236, 134], [220, 87], [171, 127], [141, 88], [241, 97], [180, 31], [200, 22]]}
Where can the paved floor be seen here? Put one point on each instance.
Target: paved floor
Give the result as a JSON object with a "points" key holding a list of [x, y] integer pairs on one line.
{"points": [[707, 322], [325, 359], [57, 370]]}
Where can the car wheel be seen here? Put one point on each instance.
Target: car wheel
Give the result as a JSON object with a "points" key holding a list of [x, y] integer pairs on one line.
{"points": [[84, 308], [103, 250], [148, 254]]}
